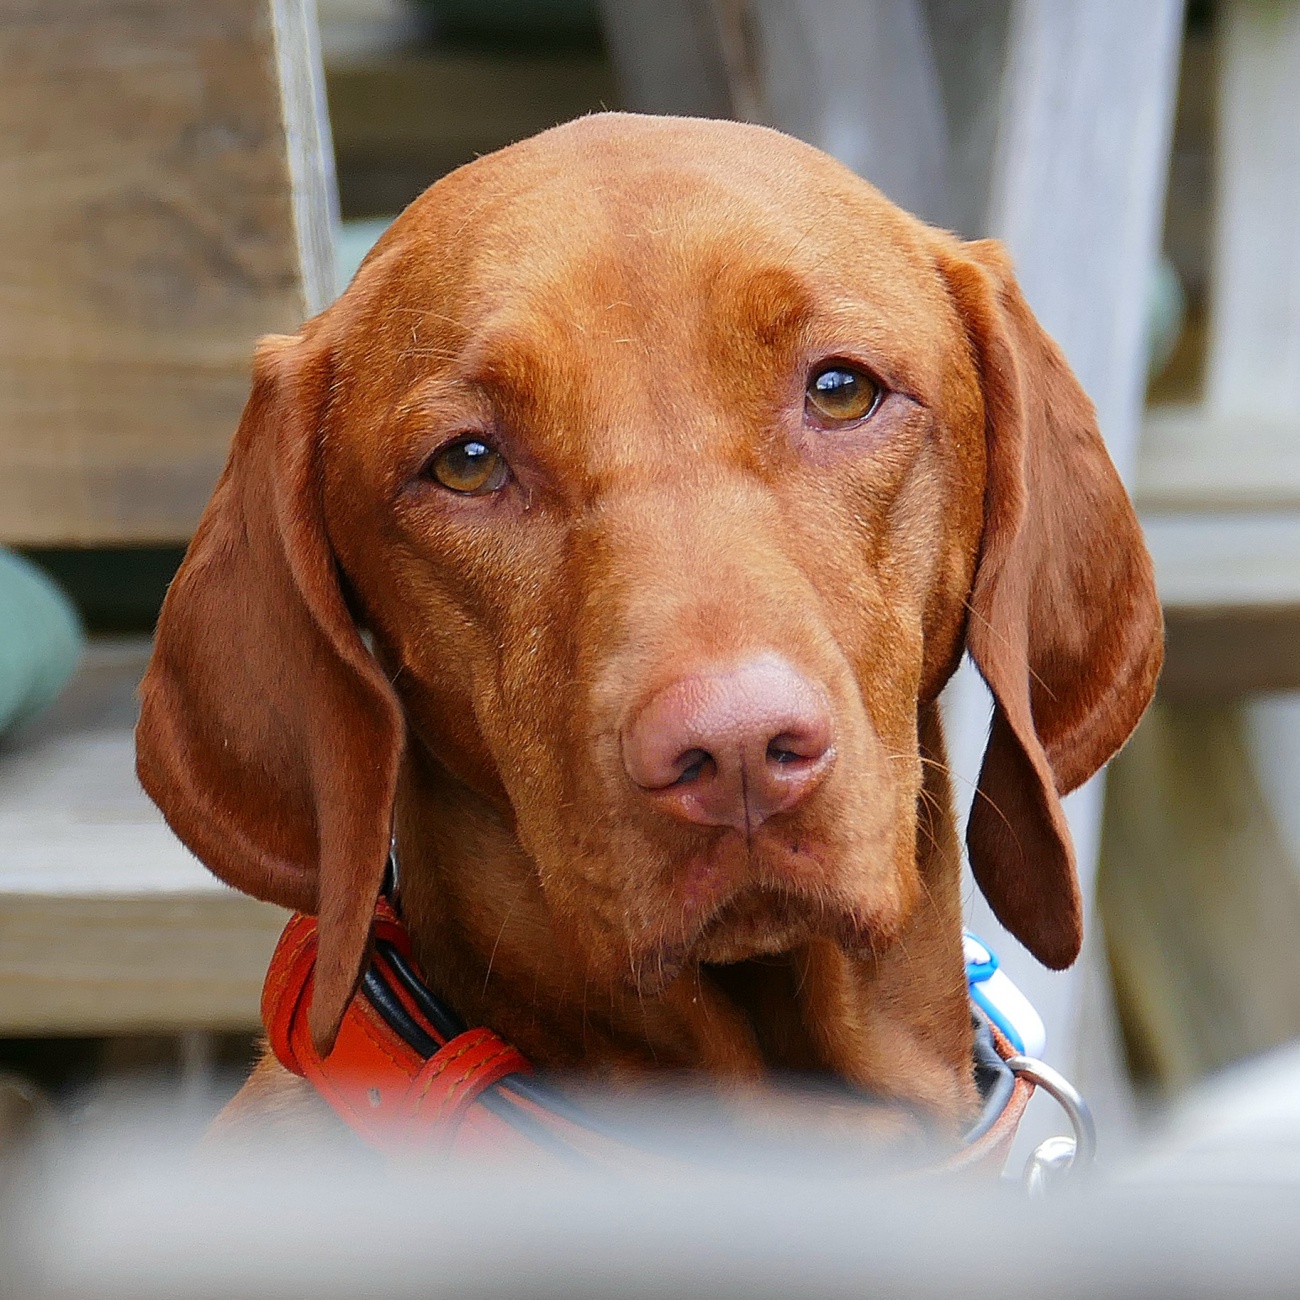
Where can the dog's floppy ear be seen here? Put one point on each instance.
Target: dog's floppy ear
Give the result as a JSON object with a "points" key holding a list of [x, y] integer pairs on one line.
{"points": [[268, 734], [1064, 623]]}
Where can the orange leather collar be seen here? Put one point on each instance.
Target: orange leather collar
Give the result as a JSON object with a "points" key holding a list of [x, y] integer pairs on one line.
{"points": [[379, 1085], [406, 1103]]}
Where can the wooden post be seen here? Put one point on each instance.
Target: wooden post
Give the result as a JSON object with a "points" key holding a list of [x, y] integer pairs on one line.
{"points": [[167, 198], [1202, 869]]}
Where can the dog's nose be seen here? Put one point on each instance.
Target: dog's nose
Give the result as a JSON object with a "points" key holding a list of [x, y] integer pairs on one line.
{"points": [[731, 748]]}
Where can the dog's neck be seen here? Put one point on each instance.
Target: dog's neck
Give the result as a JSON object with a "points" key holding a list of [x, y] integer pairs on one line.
{"points": [[897, 1024]]}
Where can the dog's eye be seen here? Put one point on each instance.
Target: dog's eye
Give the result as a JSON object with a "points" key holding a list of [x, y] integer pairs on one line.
{"points": [[840, 394], [469, 467]]}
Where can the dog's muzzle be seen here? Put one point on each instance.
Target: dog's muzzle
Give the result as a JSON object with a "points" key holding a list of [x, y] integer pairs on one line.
{"points": [[407, 1075]]}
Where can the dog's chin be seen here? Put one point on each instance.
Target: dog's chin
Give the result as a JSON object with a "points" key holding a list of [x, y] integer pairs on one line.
{"points": [[761, 923], [758, 923]]}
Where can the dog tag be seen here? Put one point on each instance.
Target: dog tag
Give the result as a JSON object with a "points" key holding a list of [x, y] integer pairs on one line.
{"points": [[1005, 1005]]}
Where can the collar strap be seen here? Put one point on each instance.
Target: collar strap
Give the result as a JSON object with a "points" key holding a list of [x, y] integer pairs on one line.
{"points": [[407, 1076], [384, 1088]]}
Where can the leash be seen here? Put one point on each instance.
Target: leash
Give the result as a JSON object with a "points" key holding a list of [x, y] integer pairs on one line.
{"points": [[408, 1077]]}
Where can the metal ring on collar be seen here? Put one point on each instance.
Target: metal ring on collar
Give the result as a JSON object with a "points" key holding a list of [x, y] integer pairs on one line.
{"points": [[1057, 1157]]}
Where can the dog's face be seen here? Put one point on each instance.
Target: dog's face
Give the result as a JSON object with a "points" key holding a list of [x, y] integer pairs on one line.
{"points": [[665, 462], [578, 468]]}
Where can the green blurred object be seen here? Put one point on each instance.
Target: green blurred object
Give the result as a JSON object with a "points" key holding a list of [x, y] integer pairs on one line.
{"points": [[40, 640], [352, 241], [1166, 314], [571, 19]]}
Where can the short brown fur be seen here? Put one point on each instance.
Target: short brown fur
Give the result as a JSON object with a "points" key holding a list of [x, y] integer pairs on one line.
{"points": [[631, 308]]}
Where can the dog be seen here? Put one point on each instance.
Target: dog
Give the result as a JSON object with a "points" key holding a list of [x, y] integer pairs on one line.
{"points": [[606, 545]]}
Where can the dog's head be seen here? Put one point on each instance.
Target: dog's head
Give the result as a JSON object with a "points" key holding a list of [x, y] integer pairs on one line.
{"points": [[671, 469]]}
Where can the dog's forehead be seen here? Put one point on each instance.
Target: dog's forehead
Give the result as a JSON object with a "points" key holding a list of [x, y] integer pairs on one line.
{"points": [[618, 221], [622, 257]]}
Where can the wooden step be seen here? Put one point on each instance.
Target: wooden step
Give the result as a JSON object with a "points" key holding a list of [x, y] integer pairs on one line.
{"points": [[107, 924]]}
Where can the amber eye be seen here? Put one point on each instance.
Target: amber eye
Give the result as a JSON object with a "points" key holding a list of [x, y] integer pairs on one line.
{"points": [[469, 467], [841, 394]]}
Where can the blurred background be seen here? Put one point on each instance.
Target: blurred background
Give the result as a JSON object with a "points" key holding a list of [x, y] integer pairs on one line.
{"points": [[182, 176]]}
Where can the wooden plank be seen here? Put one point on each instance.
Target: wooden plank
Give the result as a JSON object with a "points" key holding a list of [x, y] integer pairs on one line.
{"points": [[143, 964], [1081, 216], [1201, 896], [147, 236], [1254, 355], [1226, 560], [107, 924], [1218, 654], [1196, 458]]}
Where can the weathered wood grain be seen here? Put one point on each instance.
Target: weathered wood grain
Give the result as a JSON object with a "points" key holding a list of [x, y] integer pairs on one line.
{"points": [[1193, 458], [1201, 884], [148, 235], [142, 964]]}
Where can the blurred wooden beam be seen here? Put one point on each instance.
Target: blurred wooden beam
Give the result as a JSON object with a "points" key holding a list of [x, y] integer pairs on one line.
{"points": [[167, 198], [1221, 654], [401, 122], [133, 964], [1200, 898]]}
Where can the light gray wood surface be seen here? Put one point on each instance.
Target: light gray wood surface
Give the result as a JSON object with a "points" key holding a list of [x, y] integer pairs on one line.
{"points": [[1219, 483], [155, 218], [107, 924], [1202, 880], [1202, 901]]}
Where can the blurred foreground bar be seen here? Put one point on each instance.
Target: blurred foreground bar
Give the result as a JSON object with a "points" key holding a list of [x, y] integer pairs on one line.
{"points": [[1211, 1212], [167, 198]]}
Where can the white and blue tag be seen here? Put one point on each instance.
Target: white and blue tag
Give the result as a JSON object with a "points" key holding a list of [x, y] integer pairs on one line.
{"points": [[999, 999]]}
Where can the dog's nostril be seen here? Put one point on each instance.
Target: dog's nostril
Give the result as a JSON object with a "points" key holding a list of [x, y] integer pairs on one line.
{"points": [[786, 749], [696, 761]]}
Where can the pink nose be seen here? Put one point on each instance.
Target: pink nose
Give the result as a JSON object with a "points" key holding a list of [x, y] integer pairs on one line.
{"points": [[731, 748]]}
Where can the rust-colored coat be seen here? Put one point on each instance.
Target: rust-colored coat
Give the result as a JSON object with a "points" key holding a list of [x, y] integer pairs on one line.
{"points": [[629, 309]]}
